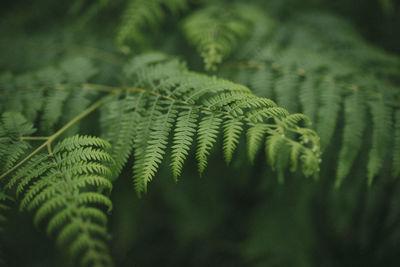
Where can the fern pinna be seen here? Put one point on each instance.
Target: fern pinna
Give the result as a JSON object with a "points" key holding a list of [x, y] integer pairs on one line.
{"points": [[163, 105]]}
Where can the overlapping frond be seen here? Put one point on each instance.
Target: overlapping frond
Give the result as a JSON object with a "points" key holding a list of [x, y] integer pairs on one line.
{"points": [[13, 126], [142, 15], [216, 30], [57, 94], [68, 191], [382, 124], [298, 65], [328, 112], [354, 126]]}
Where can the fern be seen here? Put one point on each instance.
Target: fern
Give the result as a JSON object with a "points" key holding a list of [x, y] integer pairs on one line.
{"points": [[233, 127], [286, 89], [13, 128], [330, 106], [207, 136], [66, 195], [381, 117], [216, 30], [153, 108], [46, 91], [142, 15], [355, 117], [178, 99], [309, 97], [300, 71], [183, 138]]}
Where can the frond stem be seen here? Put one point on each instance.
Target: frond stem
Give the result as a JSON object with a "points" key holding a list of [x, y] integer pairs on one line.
{"points": [[51, 138]]}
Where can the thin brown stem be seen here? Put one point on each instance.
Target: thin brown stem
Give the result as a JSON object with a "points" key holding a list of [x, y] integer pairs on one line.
{"points": [[51, 138]]}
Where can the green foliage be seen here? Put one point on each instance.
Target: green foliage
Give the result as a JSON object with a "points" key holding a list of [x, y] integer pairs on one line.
{"points": [[381, 119], [65, 188], [292, 86], [297, 67], [217, 30], [171, 95], [13, 126], [162, 99], [140, 16]]}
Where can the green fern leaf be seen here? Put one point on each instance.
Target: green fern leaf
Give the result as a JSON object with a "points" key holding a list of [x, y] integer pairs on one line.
{"points": [[273, 145], [216, 30], [309, 97], [232, 130], [328, 113], [53, 108], [183, 138], [287, 91], [381, 119], [206, 137], [13, 126], [168, 83], [67, 192], [255, 135], [118, 120], [141, 15], [155, 147], [355, 117], [262, 82]]}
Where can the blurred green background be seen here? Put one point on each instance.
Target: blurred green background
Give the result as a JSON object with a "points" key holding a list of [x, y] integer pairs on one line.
{"points": [[237, 215]]}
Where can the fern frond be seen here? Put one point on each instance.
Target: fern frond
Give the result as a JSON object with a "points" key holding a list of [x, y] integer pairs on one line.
{"points": [[309, 97], [354, 119], [206, 137], [255, 134], [216, 30], [168, 84], [185, 129], [328, 113], [232, 130], [13, 126], [262, 82], [273, 145], [173, 95], [382, 124], [53, 109], [142, 15], [54, 92], [287, 91], [118, 120], [155, 147], [67, 193], [77, 70]]}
